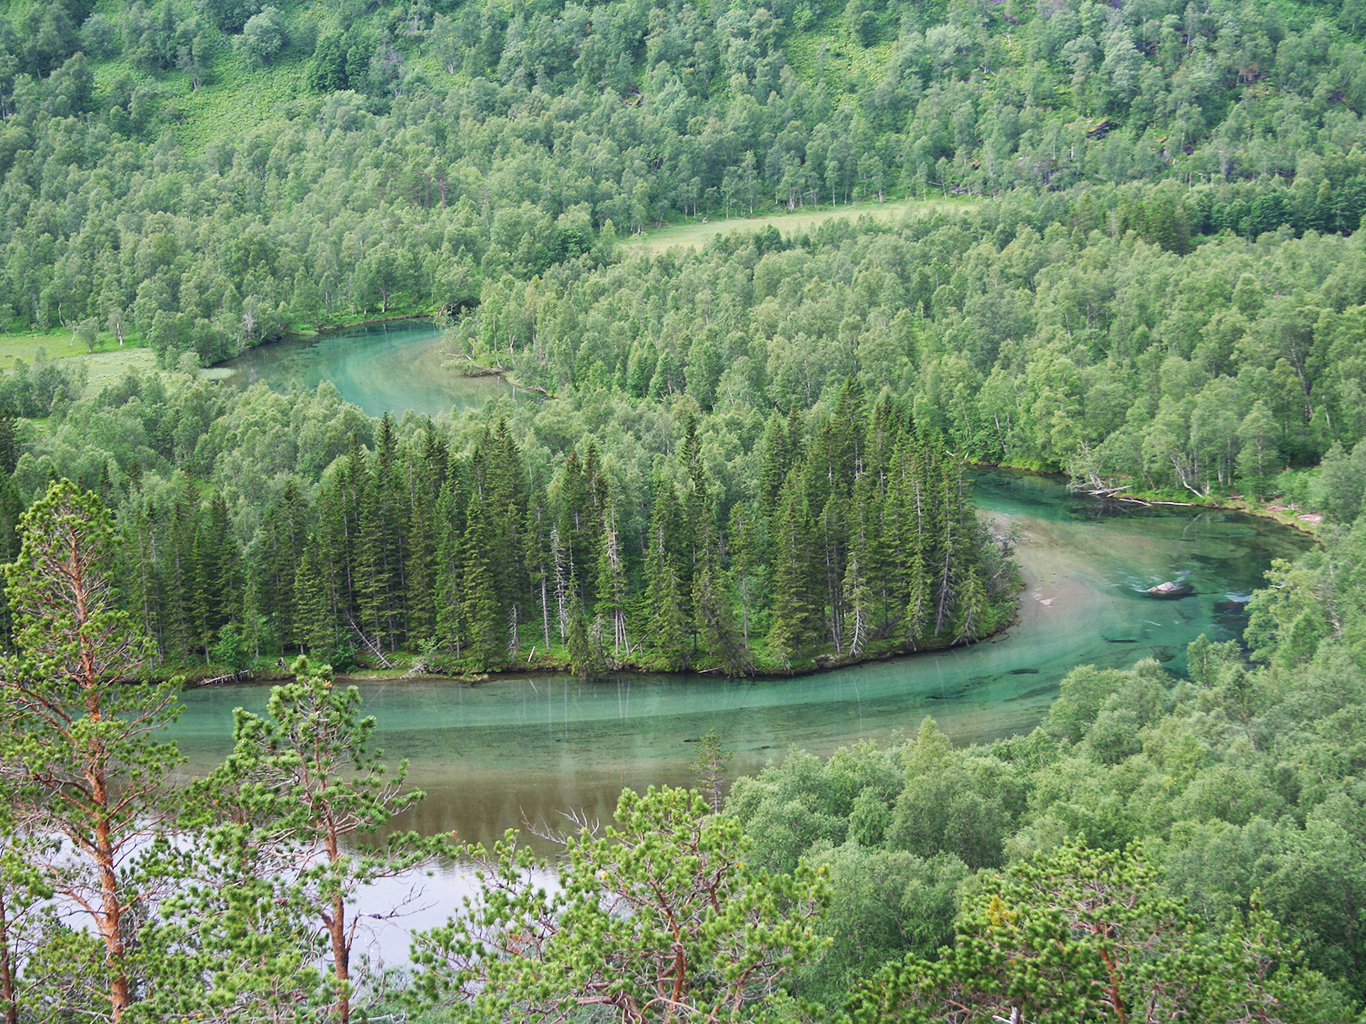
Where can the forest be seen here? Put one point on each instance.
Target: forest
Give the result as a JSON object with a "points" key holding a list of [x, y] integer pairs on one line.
{"points": [[1131, 255]]}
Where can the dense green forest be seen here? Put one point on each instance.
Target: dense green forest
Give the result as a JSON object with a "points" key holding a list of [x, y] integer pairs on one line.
{"points": [[1133, 255], [1158, 847], [259, 525]]}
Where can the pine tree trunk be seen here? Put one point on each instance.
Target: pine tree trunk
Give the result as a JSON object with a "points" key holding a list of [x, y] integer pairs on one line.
{"points": [[8, 995]]}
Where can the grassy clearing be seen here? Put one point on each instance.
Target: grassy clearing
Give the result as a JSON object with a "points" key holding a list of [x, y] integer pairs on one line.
{"points": [[109, 367], [694, 236], [33, 347], [238, 97], [108, 363]]}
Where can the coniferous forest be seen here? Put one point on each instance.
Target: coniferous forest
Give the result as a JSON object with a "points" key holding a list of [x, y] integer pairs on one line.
{"points": [[1126, 248]]}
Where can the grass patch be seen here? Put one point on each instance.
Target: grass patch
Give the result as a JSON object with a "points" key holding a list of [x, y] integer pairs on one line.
{"points": [[104, 368], [237, 98], [107, 364], [694, 236], [32, 348]]}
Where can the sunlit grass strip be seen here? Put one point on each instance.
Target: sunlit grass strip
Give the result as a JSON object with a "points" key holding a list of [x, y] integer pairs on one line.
{"points": [[695, 236]]}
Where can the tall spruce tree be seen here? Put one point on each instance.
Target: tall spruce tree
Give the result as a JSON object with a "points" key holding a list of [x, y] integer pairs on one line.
{"points": [[668, 623], [481, 610], [793, 617]]}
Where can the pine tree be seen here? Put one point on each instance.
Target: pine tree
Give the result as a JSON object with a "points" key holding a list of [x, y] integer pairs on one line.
{"points": [[92, 767], [298, 784]]}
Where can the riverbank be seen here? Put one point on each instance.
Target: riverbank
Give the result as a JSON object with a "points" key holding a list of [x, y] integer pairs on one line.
{"points": [[1286, 514], [557, 664], [1281, 510]]}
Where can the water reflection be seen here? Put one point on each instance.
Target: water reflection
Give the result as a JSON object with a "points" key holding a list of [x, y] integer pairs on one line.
{"points": [[381, 368]]}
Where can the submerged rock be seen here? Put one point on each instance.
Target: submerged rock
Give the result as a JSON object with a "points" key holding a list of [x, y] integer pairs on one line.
{"points": [[1171, 589]]}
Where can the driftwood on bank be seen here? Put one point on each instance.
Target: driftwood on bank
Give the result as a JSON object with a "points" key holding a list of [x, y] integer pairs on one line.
{"points": [[370, 645], [473, 369], [226, 677], [1112, 494]]}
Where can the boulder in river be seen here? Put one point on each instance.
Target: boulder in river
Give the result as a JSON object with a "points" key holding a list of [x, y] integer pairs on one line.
{"points": [[1170, 589]]}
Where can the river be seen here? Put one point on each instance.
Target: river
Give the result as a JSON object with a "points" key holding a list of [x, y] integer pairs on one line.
{"points": [[386, 367], [526, 748]]}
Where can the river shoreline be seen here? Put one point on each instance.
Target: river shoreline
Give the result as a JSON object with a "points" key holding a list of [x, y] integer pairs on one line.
{"points": [[554, 667], [1284, 514]]}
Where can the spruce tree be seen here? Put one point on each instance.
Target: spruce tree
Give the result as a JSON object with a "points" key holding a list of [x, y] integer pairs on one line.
{"points": [[611, 582], [421, 572], [313, 610], [777, 454], [282, 539], [668, 623], [180, 577], [717, 633], [138, 570], [480, 608], [745, 546], [793, 620], [372, 580]]}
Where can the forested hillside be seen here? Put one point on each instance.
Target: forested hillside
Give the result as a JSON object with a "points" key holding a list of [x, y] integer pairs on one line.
{"points": [[210, 175], [1132, 254], [204, 177]]}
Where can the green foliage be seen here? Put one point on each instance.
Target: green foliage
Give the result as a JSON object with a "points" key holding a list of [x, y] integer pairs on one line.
{"points": [[90, 766], [264, 36], [659, 918], [281, 809], [1084, 933]]}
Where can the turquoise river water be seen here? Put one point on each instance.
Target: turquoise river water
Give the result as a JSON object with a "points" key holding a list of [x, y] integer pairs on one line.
{"points": [[525, 748]]}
